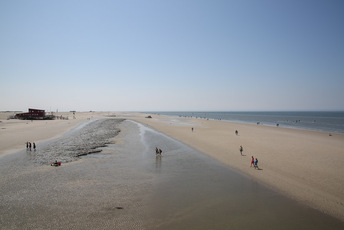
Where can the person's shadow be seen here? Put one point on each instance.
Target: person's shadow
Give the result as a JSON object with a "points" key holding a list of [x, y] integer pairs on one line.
{"points": [[257, 167]]}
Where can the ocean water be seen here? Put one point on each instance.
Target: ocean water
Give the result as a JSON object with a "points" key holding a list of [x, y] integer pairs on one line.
{"points": [[318, 121]]}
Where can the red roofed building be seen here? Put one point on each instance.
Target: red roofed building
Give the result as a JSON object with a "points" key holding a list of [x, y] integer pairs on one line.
{"points": [[33, 114]]}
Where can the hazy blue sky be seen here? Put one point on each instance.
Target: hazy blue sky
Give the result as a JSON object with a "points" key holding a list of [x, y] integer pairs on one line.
{"points": [[172, 55]]}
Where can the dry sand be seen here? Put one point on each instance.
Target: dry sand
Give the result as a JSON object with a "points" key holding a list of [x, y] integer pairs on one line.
{"points": [[15, 133], [304, 165]]}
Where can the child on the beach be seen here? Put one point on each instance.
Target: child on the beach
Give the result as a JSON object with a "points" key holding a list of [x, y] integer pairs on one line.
{"points": [[252, 161], [256, 164]]}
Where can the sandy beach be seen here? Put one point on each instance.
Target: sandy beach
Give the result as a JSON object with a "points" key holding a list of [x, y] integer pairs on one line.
{"points": [[15, 133], [303, 165]]}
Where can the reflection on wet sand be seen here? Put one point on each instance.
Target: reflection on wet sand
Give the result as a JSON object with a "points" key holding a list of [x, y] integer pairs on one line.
{"points": [[158, 162]]}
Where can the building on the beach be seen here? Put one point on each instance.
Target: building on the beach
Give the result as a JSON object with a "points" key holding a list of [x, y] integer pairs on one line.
{"points": [[34, 114]]}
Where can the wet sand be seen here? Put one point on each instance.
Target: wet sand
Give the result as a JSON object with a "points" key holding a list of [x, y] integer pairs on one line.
{"points": [[304, 165], [100, 191], [127, 187]]}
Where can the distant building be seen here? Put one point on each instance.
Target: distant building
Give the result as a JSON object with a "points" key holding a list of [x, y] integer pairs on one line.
{"points": [[34, 114]]}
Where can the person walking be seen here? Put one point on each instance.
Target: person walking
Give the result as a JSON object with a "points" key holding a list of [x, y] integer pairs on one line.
{"points": [[252, 161], [34, 146], [241, 149], [256, 164]]}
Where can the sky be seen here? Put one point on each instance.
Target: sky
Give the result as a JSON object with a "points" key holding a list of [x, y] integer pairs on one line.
{"points": [[172, 55]]}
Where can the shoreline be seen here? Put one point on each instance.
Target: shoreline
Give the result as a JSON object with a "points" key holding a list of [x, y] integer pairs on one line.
{"points": [[127, 187], [302, 164], [305, 165], [286, 123]]}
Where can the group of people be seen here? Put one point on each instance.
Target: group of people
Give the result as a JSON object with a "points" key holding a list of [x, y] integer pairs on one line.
{"points": [[29, 146], [158, 152], [254, 162]]}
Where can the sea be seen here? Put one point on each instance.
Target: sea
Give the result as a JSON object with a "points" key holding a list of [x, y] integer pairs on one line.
{"points": [[326, 121]]}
